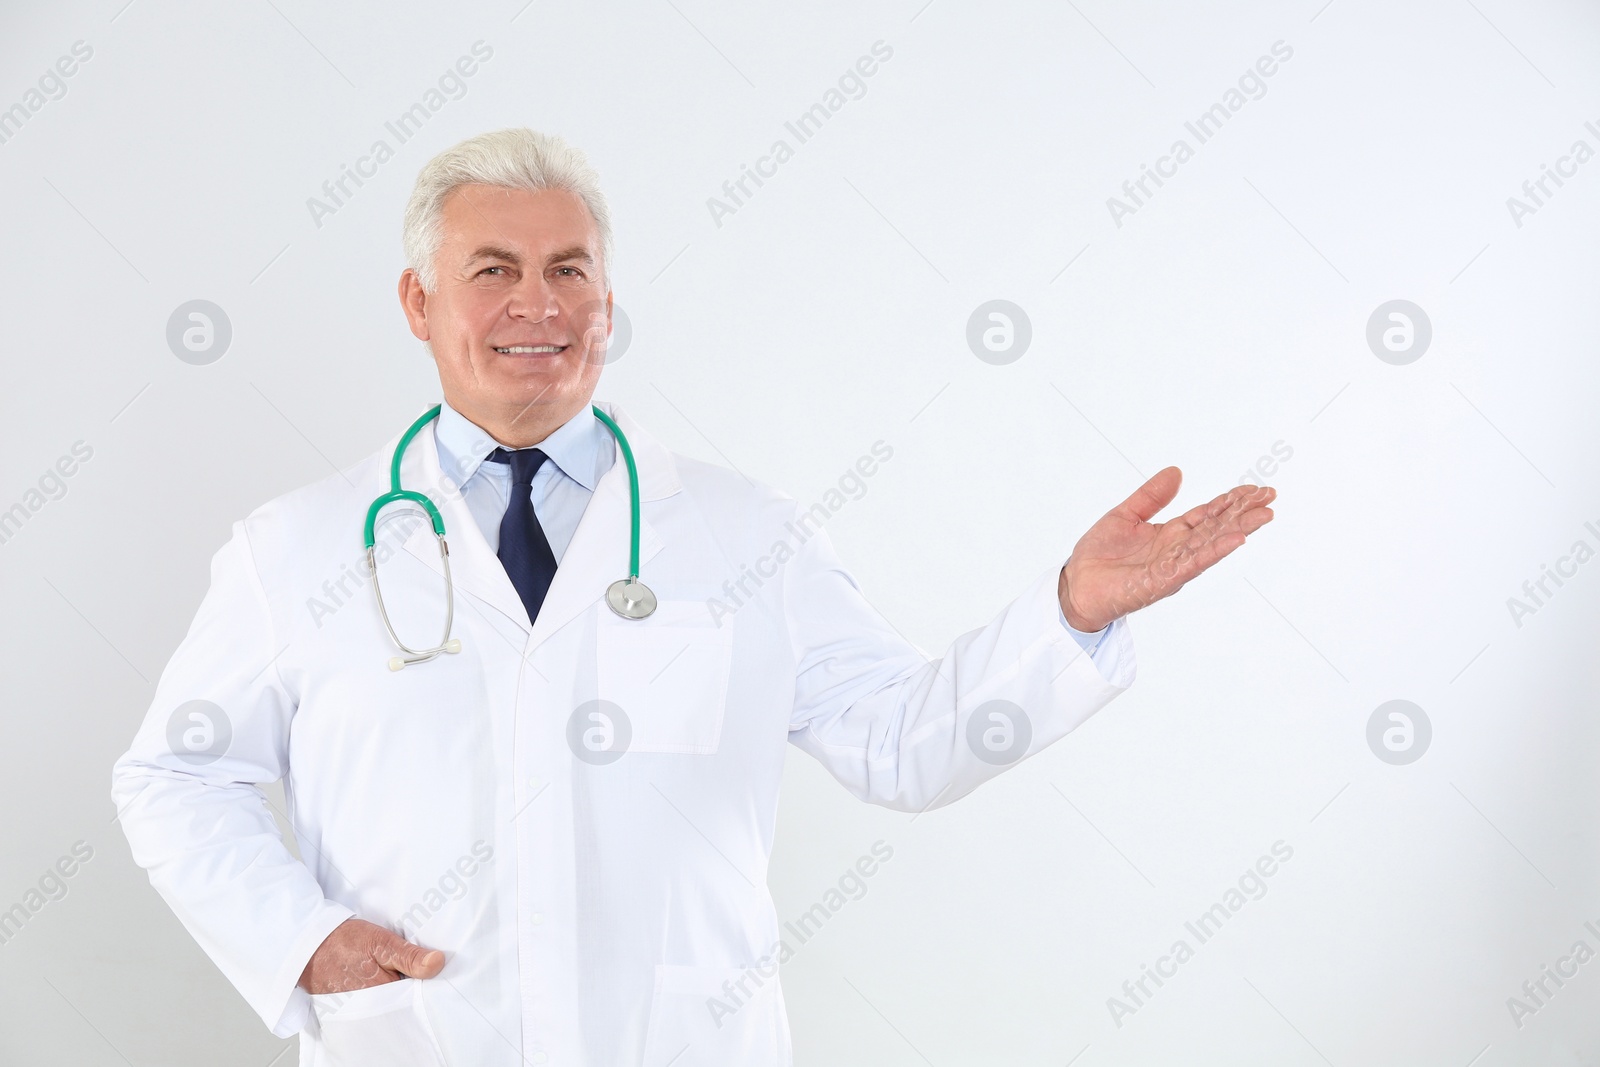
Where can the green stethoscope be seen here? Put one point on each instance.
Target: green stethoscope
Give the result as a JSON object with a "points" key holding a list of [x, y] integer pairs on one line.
{"points": [[628, 597]]}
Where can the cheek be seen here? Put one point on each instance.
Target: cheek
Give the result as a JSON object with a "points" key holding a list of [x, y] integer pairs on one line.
{"points": [[579, 303], [479, 316], [585, 323], [469, 317]]}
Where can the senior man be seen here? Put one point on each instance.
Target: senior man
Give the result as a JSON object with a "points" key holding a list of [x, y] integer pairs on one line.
{"points": [[549, 843]]}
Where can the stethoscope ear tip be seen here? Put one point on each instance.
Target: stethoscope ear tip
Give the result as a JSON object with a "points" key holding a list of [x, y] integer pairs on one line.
{"points": [[453, 645], [395, 663]]}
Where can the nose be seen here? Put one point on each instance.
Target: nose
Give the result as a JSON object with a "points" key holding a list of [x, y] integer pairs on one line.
{"points": [[534, 299]]}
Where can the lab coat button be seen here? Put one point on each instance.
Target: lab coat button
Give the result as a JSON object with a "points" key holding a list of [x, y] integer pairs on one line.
{"points": [[536, 918]]}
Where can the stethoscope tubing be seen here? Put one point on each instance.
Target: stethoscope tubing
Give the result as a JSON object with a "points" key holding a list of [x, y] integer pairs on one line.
{"points": [[629, 597]]}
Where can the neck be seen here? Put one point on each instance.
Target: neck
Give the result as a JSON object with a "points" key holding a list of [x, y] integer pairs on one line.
{"points": [[519, 427]]}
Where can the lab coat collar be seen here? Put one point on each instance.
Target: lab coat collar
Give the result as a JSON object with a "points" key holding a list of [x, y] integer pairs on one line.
{"points": [[658, 471], [596, 557]]}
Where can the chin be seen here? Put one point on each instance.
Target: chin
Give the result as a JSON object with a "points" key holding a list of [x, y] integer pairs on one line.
{"points": [[550, 387]]}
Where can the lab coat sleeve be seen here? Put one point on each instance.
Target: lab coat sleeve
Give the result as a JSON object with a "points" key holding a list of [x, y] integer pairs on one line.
{"points": [[897, 728], [188, 795]]}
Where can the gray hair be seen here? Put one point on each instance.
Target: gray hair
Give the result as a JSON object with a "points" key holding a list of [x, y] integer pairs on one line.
{"points": [[509, 159]]}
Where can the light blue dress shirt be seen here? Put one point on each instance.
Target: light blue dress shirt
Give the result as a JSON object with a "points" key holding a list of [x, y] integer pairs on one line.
{"points": [[580, 451]]}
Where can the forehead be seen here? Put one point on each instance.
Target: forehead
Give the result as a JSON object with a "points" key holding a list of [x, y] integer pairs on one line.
{"points": [[527, 218]]}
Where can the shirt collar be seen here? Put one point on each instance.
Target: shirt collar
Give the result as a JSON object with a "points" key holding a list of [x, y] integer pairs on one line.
{"points": [[581, 447]]}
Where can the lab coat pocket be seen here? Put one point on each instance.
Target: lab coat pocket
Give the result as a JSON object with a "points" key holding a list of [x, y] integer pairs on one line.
{"points": [[714, 1016], [668, 674], [383, 1024]]}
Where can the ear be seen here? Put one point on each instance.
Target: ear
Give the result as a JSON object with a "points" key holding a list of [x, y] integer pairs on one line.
{"points": [[414, 302]]}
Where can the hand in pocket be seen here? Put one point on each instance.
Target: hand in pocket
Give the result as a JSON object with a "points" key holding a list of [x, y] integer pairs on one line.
{"points": [[359, 954]]}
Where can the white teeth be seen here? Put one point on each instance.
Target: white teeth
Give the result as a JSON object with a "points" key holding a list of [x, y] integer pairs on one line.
{"points": [[530, 349]]}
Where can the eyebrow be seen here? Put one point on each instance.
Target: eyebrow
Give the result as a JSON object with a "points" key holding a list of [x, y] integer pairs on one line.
{"points": [[577, 252], [493, 252]]}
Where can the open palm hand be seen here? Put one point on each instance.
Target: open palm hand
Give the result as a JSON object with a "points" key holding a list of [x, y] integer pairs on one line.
{"points": [[1125, 561]]}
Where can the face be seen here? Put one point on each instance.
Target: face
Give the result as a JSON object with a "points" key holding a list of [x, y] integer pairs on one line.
{"points": [[520, 319]]}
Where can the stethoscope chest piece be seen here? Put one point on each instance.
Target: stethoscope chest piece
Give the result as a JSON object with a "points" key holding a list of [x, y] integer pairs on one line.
{"points": [[631, 598]]}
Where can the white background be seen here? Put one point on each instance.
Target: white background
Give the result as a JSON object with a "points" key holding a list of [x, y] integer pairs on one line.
{"points": [[1227, 315]]}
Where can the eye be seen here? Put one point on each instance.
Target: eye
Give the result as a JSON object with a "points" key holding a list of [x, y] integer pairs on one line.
{"points": [[486, 270], [576, 273]]}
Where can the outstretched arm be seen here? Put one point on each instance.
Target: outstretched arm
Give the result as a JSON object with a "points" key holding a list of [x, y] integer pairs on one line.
{"points": [[909, 733]]}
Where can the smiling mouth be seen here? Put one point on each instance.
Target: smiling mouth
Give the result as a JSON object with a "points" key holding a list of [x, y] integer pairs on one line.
{"points": [[531, 350]]}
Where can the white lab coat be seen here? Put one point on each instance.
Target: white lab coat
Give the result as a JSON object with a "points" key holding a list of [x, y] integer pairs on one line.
{"points": [[589, 911]]}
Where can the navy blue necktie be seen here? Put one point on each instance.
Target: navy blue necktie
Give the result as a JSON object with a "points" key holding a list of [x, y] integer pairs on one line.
{"points": [[524, 550]]}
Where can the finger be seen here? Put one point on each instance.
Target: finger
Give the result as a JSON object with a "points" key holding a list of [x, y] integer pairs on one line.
{"points": [[397, 954], [1239, 499], [1231, 541], [1229, 523], [1256, 496], [1254, 519], [1242, 513], [1152, 496], [1200, 553]]}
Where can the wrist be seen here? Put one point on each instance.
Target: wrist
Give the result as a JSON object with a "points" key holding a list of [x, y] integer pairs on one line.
{"points": [[1075, 619]]}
